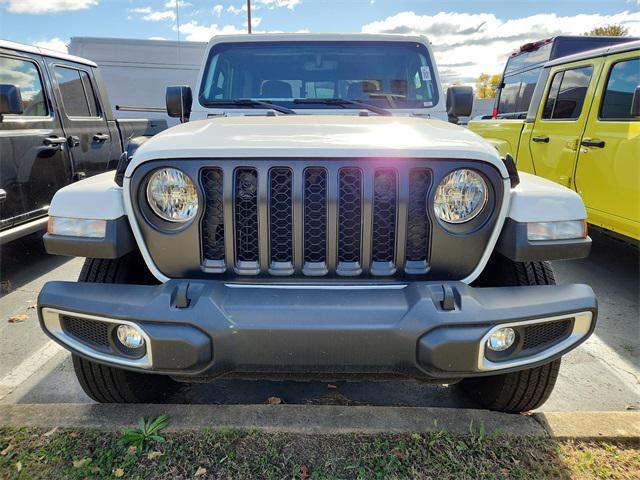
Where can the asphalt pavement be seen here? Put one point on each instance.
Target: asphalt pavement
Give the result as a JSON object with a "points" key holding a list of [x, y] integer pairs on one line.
{"points": [[601, 375]]}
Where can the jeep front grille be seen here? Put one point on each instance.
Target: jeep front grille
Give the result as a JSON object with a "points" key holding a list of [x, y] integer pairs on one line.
{"points": [[340, 220]]}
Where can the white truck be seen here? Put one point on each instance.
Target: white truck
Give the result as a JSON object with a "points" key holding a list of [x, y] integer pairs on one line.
{"points": [[314, 216]]}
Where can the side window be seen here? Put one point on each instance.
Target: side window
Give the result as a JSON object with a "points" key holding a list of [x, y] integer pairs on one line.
{"points": [[78, 97], [24, 75], [567, 93], [623, 80]]}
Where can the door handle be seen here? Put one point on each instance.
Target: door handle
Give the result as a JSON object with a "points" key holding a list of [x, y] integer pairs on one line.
{"points": [[100, 137], [587, 142], [3, 195], [54, 142], [541, 139]]}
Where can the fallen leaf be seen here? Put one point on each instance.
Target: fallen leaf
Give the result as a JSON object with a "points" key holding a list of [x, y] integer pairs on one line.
{"points": [[304, 472], [18, 318], [201, 472], [153, 455], [332, 386], [132, 449], [632, 407], [50, 432], [73, 434], [82, 462], [30, 307], [118, 473], [7, 450], [19, 466], [396, 452], [5, 286], [274, 401], [504, 472], [95, 469]]}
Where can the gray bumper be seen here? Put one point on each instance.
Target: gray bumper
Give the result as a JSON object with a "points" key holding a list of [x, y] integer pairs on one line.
{"points": [[431, 330]]}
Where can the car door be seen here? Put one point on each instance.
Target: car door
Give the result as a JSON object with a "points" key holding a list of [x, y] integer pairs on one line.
{"points": [[554, 141], [82, 117], [34, 157], [608, 169]]}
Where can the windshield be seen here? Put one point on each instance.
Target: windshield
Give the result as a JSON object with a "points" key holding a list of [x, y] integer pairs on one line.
{"points": [[385, 74]]}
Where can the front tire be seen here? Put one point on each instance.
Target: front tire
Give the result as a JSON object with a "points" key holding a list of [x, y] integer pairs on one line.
{"points": [[107, 384], [523, 390]]}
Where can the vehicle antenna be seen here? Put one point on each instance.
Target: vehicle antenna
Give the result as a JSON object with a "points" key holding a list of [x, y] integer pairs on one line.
{"points": [[249, 16]]}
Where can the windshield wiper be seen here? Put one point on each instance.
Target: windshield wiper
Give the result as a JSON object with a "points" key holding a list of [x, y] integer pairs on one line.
{"points": [[249, 102], [343, 102]]}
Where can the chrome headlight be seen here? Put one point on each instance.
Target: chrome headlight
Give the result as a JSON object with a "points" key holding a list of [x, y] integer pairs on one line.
{"points": [[172, 195], [460, 196]]}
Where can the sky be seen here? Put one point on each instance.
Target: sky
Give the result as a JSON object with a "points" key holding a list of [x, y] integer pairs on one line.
{"points": [[469, 37]]}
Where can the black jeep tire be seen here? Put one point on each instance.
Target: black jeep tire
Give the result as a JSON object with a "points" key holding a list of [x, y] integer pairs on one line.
{"points": [[107, 384], [523, 390]]}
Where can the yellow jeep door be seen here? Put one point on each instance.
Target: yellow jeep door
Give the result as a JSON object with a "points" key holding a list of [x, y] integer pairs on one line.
{"points": [[557, 132], [608, 169]]}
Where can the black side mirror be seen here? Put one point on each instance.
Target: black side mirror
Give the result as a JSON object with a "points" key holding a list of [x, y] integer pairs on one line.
{"points": [[459, 102], [635, 103], [10, 100], [179, 102]]}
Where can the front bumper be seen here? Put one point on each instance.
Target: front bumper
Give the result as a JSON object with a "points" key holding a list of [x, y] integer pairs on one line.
{"points": [[430, 330]]}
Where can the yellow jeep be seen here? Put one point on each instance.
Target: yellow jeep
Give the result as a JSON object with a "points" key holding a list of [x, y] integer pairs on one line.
{"points": [[582, 130]]}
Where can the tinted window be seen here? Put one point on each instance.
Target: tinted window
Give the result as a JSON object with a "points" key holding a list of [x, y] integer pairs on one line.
{"points": [[24, 75], [380, 73], [623, 80], [567, 93], [516, 94], [528, 59], [77, 93]]}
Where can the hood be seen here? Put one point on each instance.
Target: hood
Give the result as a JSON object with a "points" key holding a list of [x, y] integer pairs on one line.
{"points": [[308, 136]]}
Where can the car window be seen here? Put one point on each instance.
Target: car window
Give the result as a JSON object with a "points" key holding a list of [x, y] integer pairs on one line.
{"points": [[516, 94], [24, 75], [78, 96], [623, 80], [567, 93]]}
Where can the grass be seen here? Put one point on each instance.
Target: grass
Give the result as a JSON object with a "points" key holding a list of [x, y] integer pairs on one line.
{"points": [[28, 453]]}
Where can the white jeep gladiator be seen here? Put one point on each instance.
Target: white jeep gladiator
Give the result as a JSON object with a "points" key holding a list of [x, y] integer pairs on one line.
{"points": [[316, 217]]}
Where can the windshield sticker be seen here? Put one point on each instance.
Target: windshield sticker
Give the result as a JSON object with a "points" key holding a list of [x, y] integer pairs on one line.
{"points": [[426, 73], [427, 104]]}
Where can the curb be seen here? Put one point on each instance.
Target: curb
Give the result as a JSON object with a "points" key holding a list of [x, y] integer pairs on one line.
{"points": [[326, 419]]}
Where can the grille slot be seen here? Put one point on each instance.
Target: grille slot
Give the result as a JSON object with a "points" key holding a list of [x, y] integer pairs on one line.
{"points": [[418, 225], [544, 334], [349, 221], [383, 234], [246, 220], [92, 332], [281, 220], [315, 221], [213, 220]]}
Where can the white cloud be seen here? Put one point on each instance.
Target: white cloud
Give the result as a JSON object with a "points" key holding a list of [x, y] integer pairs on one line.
{"points": [[217, 9], [196, 32], [466, 44], [271, 4], [255, 21], [160, 16], [157, 38], [55, 44], [47, 6], [237, 10], [141, 10]]}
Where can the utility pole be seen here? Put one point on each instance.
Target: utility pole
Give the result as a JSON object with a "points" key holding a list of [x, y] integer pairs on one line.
{"points": [[249, 15]]}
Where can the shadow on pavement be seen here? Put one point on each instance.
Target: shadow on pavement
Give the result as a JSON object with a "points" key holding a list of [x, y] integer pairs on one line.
{"points": [[25, 260]]}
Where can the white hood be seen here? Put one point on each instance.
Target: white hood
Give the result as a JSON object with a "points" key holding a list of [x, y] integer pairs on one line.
{"points": [[308, 136]]}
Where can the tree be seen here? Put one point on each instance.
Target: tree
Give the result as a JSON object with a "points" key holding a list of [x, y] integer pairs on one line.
{"points": [[609, 31], [487, 85]]}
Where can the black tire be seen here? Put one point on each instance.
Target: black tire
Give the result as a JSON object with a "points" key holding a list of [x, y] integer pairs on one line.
{"points": [[107, 384], [523, 390]]}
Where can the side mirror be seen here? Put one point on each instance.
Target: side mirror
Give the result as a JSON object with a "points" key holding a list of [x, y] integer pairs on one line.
{"points": [[179, 102], [635, 103], [10, 100], [459, 102]]}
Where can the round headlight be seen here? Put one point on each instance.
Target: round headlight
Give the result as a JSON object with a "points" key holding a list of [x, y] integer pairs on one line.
{"points": [[172, 195], [460, 196]]}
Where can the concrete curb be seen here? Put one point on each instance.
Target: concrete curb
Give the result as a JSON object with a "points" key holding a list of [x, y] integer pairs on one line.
{"points": [[324, 419]]}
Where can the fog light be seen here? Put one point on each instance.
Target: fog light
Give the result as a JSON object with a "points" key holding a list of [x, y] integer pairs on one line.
{"points": [[501, 339], [130, 337]]}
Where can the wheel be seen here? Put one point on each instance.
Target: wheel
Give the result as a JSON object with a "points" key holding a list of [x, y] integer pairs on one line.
{"points": [[525, 389], [106, 384]]}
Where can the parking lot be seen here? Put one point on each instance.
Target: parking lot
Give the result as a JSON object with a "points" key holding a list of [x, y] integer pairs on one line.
{"points": [[603, 374]]}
